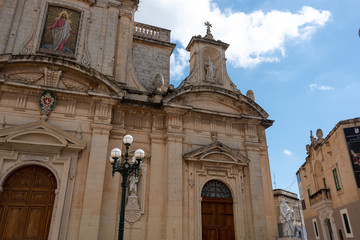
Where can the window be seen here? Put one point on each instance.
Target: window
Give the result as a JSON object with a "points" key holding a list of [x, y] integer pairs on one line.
{"points": [[309, 195], [346, 223], [303, 205], [316, 230], [336, 179]]}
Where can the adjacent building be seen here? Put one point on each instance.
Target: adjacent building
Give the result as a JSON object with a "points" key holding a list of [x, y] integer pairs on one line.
{"points": [[329, 183], [75, 77], [292, 200]]}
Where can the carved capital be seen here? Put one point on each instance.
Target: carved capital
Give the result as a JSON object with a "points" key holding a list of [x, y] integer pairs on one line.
{"points": [[101, 129]]}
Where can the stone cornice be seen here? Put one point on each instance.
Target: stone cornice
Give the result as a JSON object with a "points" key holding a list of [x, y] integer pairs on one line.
{"points": [[206, 40]]}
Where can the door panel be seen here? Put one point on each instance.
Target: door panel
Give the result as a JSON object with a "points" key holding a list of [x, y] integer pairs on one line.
{"points": [[13, 218], [217, 220]]}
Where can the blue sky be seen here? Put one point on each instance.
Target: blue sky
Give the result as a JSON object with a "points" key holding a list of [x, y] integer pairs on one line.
{"points": [[301, 59]]}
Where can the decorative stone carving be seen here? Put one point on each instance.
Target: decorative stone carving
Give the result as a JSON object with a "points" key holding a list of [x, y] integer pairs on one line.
{"points": [[52, 76], [159, 82], [307, 149], [319, 134], [287, 219], [74, 85], [250, 94], [21, 103], [26, 78], [79, 132], [132, 215]]}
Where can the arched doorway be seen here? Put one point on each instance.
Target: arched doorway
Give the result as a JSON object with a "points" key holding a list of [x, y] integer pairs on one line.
{"points": [[26, 203], [217, 215]]}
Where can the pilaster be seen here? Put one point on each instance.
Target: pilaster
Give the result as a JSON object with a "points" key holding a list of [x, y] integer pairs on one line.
{"points": [[90, 218], [174, 173], [174, 187], [123, 53], [257, 191], [157, 188]]}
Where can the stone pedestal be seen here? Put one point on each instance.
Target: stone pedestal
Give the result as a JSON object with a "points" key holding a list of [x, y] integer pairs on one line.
{"points": [[132, 209], [132, 203]]}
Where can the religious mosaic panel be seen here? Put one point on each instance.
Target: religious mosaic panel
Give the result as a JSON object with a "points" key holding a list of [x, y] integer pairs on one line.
{"points": [[60, 31]]}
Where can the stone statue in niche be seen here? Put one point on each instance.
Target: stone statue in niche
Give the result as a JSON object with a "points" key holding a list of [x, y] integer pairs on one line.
{"points": [[133, 210], [287, 219], [133, 185], [210, 70]]}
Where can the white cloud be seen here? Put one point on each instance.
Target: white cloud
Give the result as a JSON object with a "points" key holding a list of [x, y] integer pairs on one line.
{"points": [[287, 152], [314, 86], [179, 60], [254, 37]]}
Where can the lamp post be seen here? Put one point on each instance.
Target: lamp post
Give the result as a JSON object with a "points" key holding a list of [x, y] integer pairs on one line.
{"points": [[125, 168]]}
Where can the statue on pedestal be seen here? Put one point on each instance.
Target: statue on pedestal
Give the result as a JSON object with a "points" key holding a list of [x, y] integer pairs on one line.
{"points": [[133, 210], [287, 219]]}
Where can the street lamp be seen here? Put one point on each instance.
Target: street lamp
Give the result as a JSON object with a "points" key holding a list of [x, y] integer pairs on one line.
{"points": [[125, 168]]}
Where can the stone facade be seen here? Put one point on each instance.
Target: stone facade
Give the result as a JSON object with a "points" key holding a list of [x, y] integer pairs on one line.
{"points": [[114, 82], [329, 183]]}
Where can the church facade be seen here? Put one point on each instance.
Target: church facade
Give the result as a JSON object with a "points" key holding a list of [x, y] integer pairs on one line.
{"points": [[75, 77]]}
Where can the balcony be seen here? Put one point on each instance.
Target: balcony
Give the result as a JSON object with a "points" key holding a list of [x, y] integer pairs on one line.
{"points": [[320, 199]]}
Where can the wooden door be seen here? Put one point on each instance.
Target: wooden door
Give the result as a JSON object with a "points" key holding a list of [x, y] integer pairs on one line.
{"points": [[217, 212], [26, 204]]}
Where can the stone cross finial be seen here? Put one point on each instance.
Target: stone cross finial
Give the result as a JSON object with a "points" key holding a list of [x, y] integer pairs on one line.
{"points": [[208, 25], [208, 30]]}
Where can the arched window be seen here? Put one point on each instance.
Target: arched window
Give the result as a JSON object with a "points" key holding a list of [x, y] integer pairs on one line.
{"points": [[215, 189]]}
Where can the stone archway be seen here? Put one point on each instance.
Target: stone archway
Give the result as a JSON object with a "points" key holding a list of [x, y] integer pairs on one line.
{"points": [[26, 203], [217, 216]]}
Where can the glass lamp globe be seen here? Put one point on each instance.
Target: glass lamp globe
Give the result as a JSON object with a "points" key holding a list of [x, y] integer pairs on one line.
{"points": [[139, 154], [115, 153], [128, 139]]}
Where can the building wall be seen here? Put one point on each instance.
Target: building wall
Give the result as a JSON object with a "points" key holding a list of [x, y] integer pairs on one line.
{"points": [[325, 155]]}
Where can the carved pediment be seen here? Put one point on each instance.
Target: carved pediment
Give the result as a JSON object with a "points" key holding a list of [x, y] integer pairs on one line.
{"points": [[63, 74], [217, 152], [216, 100], [39, 133]]}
